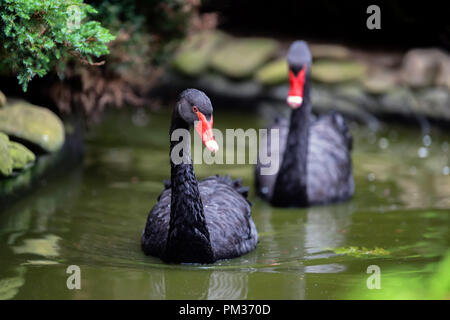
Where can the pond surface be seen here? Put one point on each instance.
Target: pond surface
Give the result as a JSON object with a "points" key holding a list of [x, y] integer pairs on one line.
{"points": [[93, 217]]}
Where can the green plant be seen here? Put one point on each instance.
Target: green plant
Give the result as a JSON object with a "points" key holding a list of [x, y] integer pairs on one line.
{"points": [[147, 33], [37, 34]]}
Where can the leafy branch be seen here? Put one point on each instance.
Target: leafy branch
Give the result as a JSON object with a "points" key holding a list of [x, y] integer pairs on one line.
{"points": [[36, 34]]}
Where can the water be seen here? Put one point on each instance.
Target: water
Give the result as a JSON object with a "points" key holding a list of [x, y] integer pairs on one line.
{"points": [[93, 216]]}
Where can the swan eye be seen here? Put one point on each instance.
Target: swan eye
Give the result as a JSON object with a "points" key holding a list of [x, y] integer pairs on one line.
{"points": [[195, 109]]}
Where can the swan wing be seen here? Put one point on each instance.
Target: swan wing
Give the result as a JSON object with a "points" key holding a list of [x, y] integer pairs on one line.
{"points": [[228, 217], [330, 175]]}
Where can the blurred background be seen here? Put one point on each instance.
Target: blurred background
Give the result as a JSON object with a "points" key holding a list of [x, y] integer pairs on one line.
{"points": [[240, 47], [84, 118]]}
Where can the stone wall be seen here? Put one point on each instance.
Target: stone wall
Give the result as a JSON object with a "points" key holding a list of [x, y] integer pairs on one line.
{"points": [[359, 83]]}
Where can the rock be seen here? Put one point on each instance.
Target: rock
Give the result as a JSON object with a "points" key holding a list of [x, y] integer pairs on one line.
{"points": [[356, 95], [2, 99], [279, 92], [324, 71], [219, 85], [6, 163], [324, 99], [215, 85], [443, 77], [398, 101], [273, 73], [33, 124], [381, 59], [195, 52], [329, 51], [20, 155], [429, 102], [240, 58], [434, 103], [380, 81], [13, 156], [348, 99], [423, 67], [329, 71]]}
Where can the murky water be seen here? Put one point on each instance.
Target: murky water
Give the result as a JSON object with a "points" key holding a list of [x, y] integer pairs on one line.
{"points": [[93, 216]]}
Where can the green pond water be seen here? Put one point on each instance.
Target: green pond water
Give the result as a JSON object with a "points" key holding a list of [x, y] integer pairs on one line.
{"points": [[93, 215]]}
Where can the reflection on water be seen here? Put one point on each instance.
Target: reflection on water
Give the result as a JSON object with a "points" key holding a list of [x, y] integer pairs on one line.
{"points": [[326, 228], [46, 247], [181, 284], [93, 217], [24, 230], [9, 287]]}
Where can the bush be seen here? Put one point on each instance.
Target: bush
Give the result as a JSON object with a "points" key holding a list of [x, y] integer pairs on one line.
{"points": [[147, 33], [37, 34], [37, 39]]}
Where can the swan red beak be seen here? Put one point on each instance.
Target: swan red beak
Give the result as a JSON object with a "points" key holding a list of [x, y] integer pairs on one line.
{"points": [[297, 82], [204, 129]]}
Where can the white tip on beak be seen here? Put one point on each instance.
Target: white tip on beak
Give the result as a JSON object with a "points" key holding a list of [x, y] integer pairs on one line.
{"points": [[212, 146], [294, 101]]}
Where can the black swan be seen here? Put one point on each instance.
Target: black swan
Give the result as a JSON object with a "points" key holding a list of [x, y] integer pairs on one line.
{"points": [[315, 160], [198, 222]]}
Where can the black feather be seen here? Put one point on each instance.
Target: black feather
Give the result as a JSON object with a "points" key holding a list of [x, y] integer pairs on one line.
{"points": [[316, 165], [199, 222]]}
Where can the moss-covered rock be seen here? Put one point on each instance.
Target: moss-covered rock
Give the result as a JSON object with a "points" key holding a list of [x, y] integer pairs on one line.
{"points": [[400, 100], [13, 155], [424, 67], [329, 71], [240, 58], [329, 51], [380, 82], [2, 99], [20, 155], [195, 52], [433, 102], [326, 71], [273, 73], [6, 163], [34, 124], [443, 77]]}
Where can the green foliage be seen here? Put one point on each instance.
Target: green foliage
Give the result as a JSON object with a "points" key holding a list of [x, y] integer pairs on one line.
{"points": [[37, 33], [154, 23], [429, 282], [131, 52]]}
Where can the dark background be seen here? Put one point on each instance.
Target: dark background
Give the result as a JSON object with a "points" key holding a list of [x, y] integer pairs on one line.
{"points": [[404, 24]]}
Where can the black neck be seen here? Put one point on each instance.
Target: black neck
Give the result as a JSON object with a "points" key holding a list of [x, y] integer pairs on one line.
{"points": [[291, 184], [188, 237]]}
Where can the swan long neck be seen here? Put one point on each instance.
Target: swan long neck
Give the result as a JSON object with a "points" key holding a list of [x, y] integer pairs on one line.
{"points": [[291, 182], [187, 228]]}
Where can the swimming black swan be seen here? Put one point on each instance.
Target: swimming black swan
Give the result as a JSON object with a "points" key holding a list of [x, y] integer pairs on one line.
{"points": [[315, 161], [198, 222]]}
